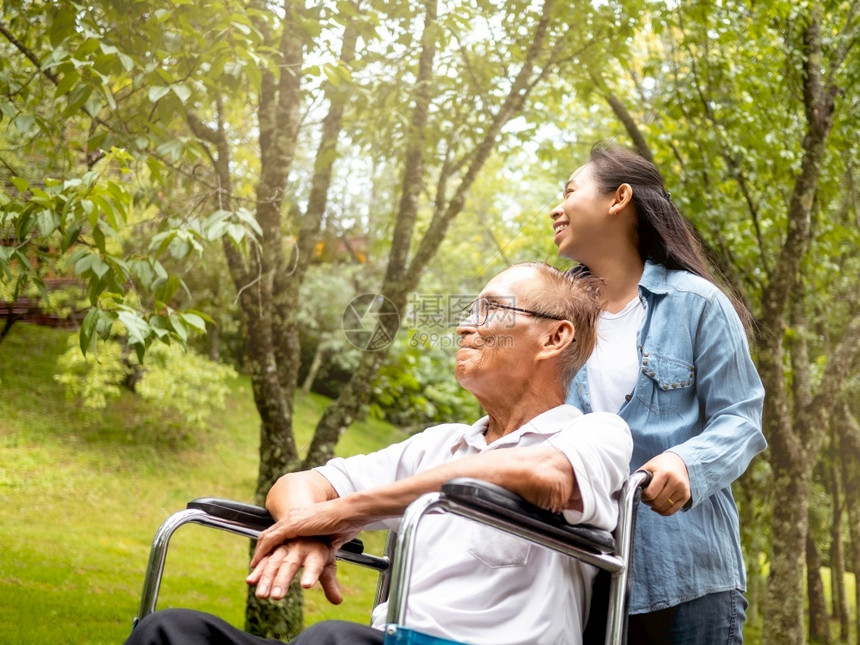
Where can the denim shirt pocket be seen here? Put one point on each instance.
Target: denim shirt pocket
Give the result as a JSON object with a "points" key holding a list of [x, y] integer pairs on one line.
{"points": [[664, 383], [496, 548]]}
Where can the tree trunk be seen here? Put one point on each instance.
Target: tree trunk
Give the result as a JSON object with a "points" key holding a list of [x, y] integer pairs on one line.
{"points": [[213, 343], [819, 629], [784, 612], [794, 445], [750, 498], [311, 376], [849, 443], [839, 592]]}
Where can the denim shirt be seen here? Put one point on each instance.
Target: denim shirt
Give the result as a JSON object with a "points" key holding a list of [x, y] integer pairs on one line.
{"points": [[698, 395]]}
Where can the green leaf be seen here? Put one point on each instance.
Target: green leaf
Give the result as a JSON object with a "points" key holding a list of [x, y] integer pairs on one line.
{"points": [[136, 327], [172, 149], [99, 239], [179, 327], [21, 184], [331, 74], [182, 91], [93, 106], [47, 221], [126, 61], [158, 91], [194, 321], [77, 99], [88, 326], [168, 288], [67, 82], [25, 124], [98, 266]]}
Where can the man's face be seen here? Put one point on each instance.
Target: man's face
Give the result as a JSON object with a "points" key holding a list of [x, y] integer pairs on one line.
{"points": [[500, 352]]}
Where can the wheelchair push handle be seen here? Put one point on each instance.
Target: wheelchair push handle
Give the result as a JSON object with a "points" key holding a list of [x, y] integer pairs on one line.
{"points": [[642, 478]]}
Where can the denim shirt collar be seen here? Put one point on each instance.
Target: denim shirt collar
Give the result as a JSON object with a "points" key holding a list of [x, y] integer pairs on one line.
{"points": [[653, 278]]}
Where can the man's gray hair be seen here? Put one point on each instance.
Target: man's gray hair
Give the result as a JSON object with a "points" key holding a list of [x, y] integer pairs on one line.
{"points": [[574, 296]]}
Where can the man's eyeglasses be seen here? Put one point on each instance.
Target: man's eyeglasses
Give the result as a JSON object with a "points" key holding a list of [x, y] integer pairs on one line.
{"points": [[479, 311]]}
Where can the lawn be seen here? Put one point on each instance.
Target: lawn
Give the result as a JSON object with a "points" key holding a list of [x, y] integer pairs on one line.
{"points": [[82, 494]]}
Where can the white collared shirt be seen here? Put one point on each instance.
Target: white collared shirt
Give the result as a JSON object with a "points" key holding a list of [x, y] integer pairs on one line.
{"points": [[478, 585]]}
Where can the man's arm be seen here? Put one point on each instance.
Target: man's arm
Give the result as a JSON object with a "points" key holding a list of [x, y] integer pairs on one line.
{"points": [[275, 565], [540, 474]]}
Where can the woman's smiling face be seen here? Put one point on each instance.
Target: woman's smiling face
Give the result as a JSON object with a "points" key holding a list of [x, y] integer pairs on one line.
{"points": [[578, 219]]}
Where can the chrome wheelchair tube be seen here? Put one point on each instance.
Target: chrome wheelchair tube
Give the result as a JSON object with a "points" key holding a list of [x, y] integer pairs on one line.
{"points": [[401, 569], [383, 584], [158, 552], [619, 586]]}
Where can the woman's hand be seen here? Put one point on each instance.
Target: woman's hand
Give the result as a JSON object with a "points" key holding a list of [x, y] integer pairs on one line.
{"points": [[669, 489]]}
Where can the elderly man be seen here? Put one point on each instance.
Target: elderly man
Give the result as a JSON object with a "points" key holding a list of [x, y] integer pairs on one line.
{"points": [[521, 342]]}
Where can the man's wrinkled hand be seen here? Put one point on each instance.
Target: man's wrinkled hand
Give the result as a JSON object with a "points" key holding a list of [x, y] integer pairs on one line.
{"points": [[317, 520], [274, 571]]}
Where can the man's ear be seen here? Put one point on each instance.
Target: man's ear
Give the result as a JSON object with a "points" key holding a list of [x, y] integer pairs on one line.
{"points": [[622, 197], [558, 339]]}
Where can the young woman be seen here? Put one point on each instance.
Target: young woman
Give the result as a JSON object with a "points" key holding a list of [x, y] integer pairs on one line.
{"points": [[672, 359]]}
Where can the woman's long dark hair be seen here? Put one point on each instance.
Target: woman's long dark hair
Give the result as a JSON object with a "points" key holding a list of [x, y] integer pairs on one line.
{"points": [[665, 236]]}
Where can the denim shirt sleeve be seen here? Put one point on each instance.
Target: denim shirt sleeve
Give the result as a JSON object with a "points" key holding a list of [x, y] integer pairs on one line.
{"points": [[730, 396]]}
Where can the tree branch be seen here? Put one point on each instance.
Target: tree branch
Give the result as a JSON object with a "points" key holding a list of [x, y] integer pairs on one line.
{"points": [[28, 53]]}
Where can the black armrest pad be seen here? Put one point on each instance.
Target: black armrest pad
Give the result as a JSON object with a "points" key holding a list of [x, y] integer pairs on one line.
{"points": [[255, 517], [486, 496]]}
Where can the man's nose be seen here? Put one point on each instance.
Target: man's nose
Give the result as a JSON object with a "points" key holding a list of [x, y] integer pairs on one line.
{"points": [[466, 326], [556, 212]]}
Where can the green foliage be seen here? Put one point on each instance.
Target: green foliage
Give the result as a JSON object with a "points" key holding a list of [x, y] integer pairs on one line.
{"points": [[88, 156], [174, 378], [92, 380]]}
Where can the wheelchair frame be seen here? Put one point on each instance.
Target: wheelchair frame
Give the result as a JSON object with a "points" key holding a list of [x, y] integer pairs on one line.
{"points": [[473, 499]]}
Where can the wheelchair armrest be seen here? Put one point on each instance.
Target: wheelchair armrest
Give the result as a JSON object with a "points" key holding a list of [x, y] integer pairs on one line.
{"points": [[489, 497], [255, 517]]}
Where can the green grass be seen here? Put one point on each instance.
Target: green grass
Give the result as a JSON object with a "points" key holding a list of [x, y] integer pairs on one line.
{"points": [[82, 494]]}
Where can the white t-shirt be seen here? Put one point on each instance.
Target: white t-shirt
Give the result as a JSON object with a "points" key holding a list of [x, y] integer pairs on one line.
{"points": [[613, 366], [478, 585]]}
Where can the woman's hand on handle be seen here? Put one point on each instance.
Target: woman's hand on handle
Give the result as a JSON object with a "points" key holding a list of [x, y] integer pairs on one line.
{"points": [[669, 489]]}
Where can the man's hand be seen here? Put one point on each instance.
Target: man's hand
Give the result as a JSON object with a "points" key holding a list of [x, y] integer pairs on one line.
{"points": [[331, 519], [274, 571], [307, 538], [669, 489]]}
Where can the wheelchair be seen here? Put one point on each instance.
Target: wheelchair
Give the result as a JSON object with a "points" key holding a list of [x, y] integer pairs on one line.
{"points": [[482, 502]]}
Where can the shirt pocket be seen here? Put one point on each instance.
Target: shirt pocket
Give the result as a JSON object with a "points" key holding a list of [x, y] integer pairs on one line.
{"points": [[497, 549], [665, 384]]}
